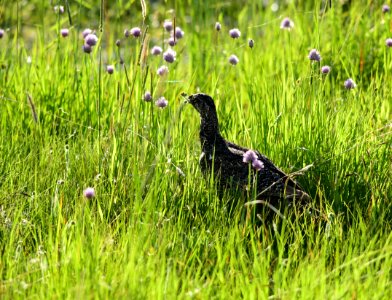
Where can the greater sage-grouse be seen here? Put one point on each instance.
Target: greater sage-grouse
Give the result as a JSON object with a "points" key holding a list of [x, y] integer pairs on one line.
{"points": [[237, 167]]}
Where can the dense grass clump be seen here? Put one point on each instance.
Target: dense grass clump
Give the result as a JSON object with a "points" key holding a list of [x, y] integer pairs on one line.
{"points": [[106, 113]]}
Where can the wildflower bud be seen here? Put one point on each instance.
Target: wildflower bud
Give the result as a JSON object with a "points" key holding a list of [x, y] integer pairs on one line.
{"points": [[233, 60], [147, 96], [169, 56], [386, 8], [286, 24], [136, 32], [168, 25], [156, 50], [314, 55], [251, 43], [118, 43], [59, 9], [171, 41], [388, 42], [89, 193], [218, 26], [235, 33], [349, 84], [161, 102], [127, 33], [87, 48], [325, 69], [257, 164], [179, 33], [91, 39], [86, 32], [163, 70], [110, 69], [1, 33], [64, 32], [249, 156]]}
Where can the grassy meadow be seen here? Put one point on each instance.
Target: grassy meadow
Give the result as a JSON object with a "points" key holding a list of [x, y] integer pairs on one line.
{"points": [[156, 229]]}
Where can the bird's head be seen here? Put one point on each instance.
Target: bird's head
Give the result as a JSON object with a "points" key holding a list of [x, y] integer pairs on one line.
{"points": [[203, 103]]}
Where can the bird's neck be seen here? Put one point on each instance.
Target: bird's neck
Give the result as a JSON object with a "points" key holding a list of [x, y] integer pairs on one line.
{"points": [[210, 137]]}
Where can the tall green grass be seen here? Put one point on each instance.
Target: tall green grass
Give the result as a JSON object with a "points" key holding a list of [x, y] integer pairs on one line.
{"points": [[156, 228]]}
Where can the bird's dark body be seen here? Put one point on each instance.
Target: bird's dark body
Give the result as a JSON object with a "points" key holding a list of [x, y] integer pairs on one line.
{"points": [[224, 160]]}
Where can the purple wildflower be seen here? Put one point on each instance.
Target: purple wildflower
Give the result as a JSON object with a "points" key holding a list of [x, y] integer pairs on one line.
{"points": [[233, 60], [179, 33], [235, 33], [127, 33], [163, 70], [218, 26], [169, 56], [257, 164], [161, 102], [147, 96], [325, 69], [1, 33], [86, 32], [136, 32], [171, 41], [386, 8], [64, 32], [91, 39], [251, 43], [314, 55], [349, 84], [286, 24], [59, 9], [168, 25], [110, 69], [87, 48], [156, 50], [388, 42], [118, 43], [249, 156], [89, 193]]}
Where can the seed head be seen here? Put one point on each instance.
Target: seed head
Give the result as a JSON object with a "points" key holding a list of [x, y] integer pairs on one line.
{"points": [[235, 33], [233, 60], [89, 193], [251, 43], [118, 43], [147, 96], [156, 50], [136, 32], [386, 8], [127, 33], [168, 25], [87, 48], [110, 69], [163, 70], [388, 42], [286, 24], [314, 55], [64, 32], [91, 39], [218, 26], [86, 32], [161, 102], [325, 69], [249, 156], [1, 33], [179, 33], [257, 164], [169, 56], [349, 84]]}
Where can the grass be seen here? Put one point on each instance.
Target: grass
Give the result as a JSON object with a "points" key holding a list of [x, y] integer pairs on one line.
{"points": [[152, 232]]}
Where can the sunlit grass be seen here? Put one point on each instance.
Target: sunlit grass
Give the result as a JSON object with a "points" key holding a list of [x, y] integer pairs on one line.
{"points": [[156, 228]]}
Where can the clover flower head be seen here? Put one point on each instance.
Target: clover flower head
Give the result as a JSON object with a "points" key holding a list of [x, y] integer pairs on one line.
{"points": [[169, 56], [89, 193], [156, 50], [235, 33], [314, 55], [233, 59], [286, 24], [349, 84], [161, 102]]}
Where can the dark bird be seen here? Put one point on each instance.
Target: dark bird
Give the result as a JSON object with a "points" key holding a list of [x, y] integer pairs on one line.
{"points": [[236, 167]]}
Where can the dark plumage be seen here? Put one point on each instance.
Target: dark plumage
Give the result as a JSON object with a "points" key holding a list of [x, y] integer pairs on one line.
{"points": [[226, 160]]}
